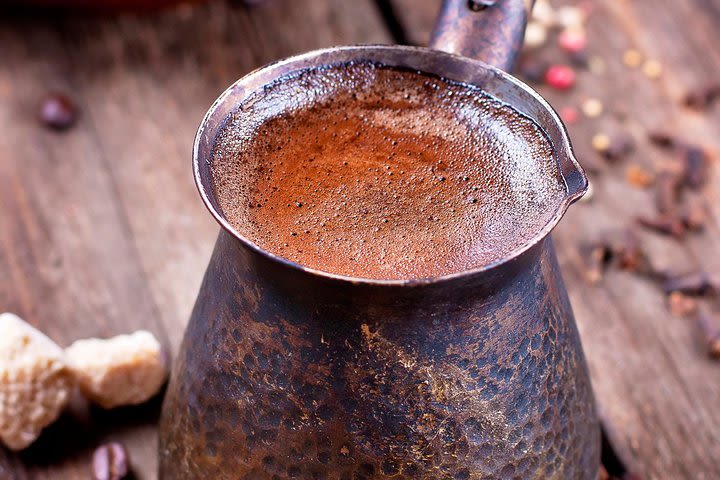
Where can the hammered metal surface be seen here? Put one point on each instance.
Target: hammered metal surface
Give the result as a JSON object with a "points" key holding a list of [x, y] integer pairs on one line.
{"points": [[285, 374]]}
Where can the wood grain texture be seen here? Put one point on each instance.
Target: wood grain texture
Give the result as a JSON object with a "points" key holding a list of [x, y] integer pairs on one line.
{"points": [[657, 390], [101, 228]]}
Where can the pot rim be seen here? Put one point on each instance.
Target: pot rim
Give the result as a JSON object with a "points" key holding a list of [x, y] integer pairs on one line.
{"points": [[570, 170]]}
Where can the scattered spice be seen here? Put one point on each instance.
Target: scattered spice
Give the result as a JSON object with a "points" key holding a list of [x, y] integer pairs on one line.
{"points": [[572, 40], [570, 17], [665, 224], [662, 139], [622, 248], [652, 69], [681, 305], [579, 59], [532, 68], [695, 160], [639, 177], [632, 58], [535, 35], [598, 256], [544, 13], [57, 111], [711, 335], [596, 65], [667, 192], [110, 462], [702, 97], [569, 115], [592, 107], [615, 147], [631, 257], [600, 142], [698, 283], [693, 214], [560, 77], [696, 165]]}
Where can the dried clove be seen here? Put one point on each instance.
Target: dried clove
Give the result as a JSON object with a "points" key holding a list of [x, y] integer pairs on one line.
{"points": [[696, 162], [667, 192], [702, 97], [598, 256], [694, 159], [663, 139], [693, 215], [624, 250], [628, 251], [681, 305], [665, 224], [711, 335], [698, 283]]}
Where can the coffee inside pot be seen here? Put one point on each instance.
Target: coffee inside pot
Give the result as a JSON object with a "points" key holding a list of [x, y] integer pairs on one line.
{"points": [[370, 171]]}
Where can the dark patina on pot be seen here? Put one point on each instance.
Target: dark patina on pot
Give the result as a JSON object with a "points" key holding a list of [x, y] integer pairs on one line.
{"points": [[287, 372]]}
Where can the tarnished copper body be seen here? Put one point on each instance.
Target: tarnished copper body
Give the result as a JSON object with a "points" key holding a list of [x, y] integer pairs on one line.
{"points": [[287, 372]]}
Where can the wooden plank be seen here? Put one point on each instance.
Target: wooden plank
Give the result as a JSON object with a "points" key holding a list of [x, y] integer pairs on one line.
{"points": [[101, 229], [656, 388]]}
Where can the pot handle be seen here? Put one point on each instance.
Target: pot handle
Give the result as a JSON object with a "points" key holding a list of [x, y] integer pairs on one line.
{"points": [[487, 30]]}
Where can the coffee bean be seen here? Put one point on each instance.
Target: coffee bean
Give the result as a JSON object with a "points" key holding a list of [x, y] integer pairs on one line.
{"points": [[110, 462], [58, 111]]}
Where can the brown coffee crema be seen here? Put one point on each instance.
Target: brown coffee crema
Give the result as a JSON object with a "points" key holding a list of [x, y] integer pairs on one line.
{"points": [[376, 172]]}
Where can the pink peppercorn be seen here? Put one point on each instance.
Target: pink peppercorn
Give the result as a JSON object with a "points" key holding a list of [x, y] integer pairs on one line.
{"points": [[560, 77], [569, 115], [572, 41]]}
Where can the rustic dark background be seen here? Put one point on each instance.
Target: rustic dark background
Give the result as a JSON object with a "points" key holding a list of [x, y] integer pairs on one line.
{"points": [[102, 231]]}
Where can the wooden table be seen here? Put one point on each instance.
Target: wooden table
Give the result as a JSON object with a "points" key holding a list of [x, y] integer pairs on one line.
{"points": [[102, 231]]}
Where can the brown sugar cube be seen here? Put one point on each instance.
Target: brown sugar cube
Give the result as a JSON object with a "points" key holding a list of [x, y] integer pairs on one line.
{"points": [[35, 384], [123, 370]]}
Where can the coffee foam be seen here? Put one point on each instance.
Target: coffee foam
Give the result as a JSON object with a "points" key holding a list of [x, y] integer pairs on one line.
{"points": [[375, 172]]}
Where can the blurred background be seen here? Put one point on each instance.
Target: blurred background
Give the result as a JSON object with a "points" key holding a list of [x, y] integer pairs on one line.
{"points": [[102, 231]]}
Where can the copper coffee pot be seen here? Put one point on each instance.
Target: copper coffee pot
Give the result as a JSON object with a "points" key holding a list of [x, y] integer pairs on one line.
{"points": [[289, 372]]}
